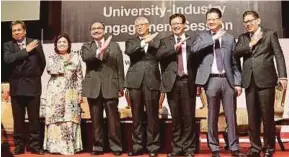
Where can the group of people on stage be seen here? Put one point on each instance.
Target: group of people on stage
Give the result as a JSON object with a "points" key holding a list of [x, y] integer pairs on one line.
{"points": [[210, 63]]}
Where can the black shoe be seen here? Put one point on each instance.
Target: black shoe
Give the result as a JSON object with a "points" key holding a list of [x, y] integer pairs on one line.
{"points": [[175, 154], [237, 153], [37, 151], [216, 154], [190, 155], [116, 153], [268, 154], [18, 151], [253, 154], [135, 153], [152, 154], [93, 153]]}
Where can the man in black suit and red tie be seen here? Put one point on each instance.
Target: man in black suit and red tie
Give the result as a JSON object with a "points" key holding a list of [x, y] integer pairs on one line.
{"points": [[178, 81], [258, 47], [26, 57]]}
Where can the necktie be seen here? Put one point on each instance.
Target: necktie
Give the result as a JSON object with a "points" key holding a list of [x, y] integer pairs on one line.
{"points": [[218, 53], [21, 46], [180, 71], [99, 46]]}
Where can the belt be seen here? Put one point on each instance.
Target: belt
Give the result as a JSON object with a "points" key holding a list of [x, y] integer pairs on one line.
{"points": [[218, 75], [182, 77]]}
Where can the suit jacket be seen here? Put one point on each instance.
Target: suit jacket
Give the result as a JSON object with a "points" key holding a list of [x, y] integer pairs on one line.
{"points": [[168, 60], [204, 48], [142, 65], [260, 62], [27, 68], [105, 75]]}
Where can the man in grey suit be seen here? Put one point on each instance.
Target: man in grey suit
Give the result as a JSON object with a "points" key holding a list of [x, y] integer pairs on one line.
{"points": [[178, 81], [258, 47], [143, 83], [102, 86], [219, 74]]}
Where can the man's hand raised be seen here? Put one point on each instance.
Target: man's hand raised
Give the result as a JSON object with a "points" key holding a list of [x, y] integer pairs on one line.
{"points": [[32, 45]]}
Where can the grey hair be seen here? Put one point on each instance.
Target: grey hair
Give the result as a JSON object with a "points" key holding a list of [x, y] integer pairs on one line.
{"points": [[141, 18]]}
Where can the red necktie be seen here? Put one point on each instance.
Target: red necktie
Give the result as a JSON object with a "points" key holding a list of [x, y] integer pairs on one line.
{"points": [[99, 46], [180, 71]]}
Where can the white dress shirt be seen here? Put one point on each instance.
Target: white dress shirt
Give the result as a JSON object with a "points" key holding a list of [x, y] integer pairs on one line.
{"points": [[22, 45]]}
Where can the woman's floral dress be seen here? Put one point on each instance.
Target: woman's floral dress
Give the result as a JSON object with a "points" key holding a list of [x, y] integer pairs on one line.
{"points": [[62, 108]]}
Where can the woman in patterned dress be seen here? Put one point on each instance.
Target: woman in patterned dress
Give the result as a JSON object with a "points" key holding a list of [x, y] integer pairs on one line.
{"points": [[62, 110]]}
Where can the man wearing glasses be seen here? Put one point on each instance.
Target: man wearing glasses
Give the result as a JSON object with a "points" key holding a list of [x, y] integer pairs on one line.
{"points": [[219, 74], [258, 47], [103, 85], [178, 81], [143, 83]]}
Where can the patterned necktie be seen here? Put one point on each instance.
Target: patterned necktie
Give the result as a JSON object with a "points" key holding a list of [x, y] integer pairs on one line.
{"points": [[100, 55], [21, 46], [219, 57], [180, 71], [99, 44]]}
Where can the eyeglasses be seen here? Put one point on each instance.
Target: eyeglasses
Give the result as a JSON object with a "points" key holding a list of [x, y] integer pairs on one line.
{"points": [[141, 25], [174, 24], [248, 21], [97, 28], [208, 20]]}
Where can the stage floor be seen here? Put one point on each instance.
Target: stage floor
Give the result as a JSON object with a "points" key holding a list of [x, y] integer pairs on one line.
{"points": [[204, 152]]}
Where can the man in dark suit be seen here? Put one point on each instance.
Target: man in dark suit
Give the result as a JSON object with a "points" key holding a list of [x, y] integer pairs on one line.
{"points": [[178, 81], [143, 83], [102, 86], [258, 47], [219, 74], [27, 59]]}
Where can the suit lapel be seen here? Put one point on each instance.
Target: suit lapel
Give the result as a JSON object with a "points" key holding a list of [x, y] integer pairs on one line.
{"points": [[15, 46], [188, 46], [172, 40], [255, 50], [223, 48], [93, 46]]}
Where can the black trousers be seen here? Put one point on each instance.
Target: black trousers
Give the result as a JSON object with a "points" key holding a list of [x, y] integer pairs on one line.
{"points": [[141, 97], [96, 107], [19, 104], [260, 106], [182, 107]]}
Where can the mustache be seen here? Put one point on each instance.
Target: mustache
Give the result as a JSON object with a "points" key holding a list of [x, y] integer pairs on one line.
{"points": [[95, 33]]}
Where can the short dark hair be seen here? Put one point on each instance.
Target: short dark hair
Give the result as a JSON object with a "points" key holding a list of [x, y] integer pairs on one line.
{"points": [[98, 22], [251, 12], [178, 15], [214, 10], [18, 22], [64, 35]]}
